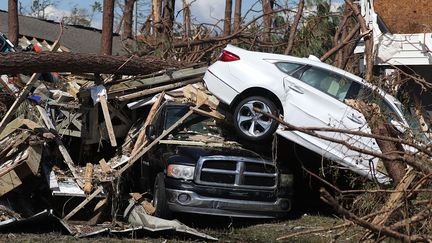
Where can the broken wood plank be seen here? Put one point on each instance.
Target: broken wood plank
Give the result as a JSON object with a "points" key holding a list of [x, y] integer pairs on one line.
{"points": [[108, 123], [142, 150], [21, 97], [194, 94], [105, 167], [81, 205], [17, 123], [142, 135], [160, 78], [158, 89], [68, 160], [88, 178], [395, 197], [213, 113], [23, 94]]}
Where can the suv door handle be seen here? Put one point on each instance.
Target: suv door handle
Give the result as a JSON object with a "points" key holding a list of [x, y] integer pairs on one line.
{"points": [[295, 88], [353, 118]]}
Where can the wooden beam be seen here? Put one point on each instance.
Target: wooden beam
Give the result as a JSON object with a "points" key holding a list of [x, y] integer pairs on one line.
{"points": [[142, 150], [105, 167], [158, 89], [68, 160], [21, 97], [88, 178], [24, 92], [107, 118], [81, 205], [142, 136]]}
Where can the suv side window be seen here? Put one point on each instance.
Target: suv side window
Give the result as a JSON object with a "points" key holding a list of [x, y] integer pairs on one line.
{"points": [[326, 81], [288, 67]]}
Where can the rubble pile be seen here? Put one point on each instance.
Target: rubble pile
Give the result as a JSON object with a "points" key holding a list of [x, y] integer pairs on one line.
{"points": [[66, 144]]}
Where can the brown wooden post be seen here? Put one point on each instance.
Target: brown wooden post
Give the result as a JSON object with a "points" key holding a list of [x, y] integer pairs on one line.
{"points": [[227, 19], [13, 25], [237, 15], [107, 27], [128, 18]]}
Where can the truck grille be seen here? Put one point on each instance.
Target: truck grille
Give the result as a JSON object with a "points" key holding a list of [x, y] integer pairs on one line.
{"points": [[232, 171]]}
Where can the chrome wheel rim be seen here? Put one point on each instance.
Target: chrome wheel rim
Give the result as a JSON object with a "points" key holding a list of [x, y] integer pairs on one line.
{"points": [[252, 123]]}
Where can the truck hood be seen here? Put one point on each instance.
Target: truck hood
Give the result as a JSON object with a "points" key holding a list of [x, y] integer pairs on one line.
{"points": [[195, 152]]}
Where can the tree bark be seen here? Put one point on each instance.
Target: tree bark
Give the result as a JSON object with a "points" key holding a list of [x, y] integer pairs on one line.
{"points": [[227, 19], [342, 44], [168, 18], [237, 15], [13, 25], [30, 62], [156, 16], [267, 9], [367, 38], [380, 126], [128, 18], [293, 27], [107, 27], [186, 20]]}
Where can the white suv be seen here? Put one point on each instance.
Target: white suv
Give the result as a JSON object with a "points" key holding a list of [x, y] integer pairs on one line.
{"points": [[308, 93]]}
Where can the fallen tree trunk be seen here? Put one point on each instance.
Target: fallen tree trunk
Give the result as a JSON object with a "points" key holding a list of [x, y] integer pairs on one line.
{"points": [[20, 62], [379, 125]]}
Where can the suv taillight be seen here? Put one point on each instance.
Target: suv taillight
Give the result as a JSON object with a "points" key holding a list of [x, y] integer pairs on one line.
{"points": [[227, 56]]}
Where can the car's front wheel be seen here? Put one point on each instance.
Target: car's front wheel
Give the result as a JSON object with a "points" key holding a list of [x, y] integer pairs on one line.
{"points": [[252, 125]]}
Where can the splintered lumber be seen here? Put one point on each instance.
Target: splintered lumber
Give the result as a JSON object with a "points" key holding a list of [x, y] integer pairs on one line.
{"points": [[88, 178], [395, 197], [17, 123], [29, 62], [382, 230], [81, 205], [142, 136], [107, 118], [24, 92], [158, 89], [105, 167], [204, 99], [68, 160], [21, 97], [152, 80], [142, 150], [195, 95]]}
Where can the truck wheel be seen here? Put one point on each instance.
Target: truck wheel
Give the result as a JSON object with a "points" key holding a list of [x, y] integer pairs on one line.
{"points": [[159, 198], [252, 125]]}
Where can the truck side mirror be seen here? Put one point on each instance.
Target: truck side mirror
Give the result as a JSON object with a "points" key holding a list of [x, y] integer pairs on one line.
{"points": [[150, 132]]}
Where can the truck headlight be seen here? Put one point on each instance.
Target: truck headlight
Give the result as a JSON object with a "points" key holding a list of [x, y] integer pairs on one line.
{"points": [[181, 171]]}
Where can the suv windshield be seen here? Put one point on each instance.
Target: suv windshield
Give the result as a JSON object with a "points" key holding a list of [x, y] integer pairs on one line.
{"points": [[195, 124]]}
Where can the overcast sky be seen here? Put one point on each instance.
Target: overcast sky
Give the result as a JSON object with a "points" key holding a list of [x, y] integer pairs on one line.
{"points": [[204, 11]]}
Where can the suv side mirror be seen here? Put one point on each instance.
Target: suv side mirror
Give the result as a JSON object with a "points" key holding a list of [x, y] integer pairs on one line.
{"points": [[150, 132]]}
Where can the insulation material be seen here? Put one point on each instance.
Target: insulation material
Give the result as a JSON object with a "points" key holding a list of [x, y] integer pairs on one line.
{"points": [[404, 17]]}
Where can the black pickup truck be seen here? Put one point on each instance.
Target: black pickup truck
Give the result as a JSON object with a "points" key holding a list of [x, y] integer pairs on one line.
{"points": [[195, 170]]}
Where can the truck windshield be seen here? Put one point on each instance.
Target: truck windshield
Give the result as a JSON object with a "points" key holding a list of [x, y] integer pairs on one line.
{"points": [[195, 124]]}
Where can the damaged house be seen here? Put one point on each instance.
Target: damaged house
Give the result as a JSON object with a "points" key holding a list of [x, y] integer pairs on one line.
{"points": [[402, 41]]}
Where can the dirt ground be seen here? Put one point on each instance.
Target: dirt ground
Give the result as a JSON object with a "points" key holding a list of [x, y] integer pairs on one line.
{"points": [[225, 229]]}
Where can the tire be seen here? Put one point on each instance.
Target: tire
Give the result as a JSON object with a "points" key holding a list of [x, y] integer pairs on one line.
{"points": [[159, 198], [251, 125]]}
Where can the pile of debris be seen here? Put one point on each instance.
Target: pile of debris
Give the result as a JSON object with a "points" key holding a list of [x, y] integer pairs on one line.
{"points": [[48, 139]]}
